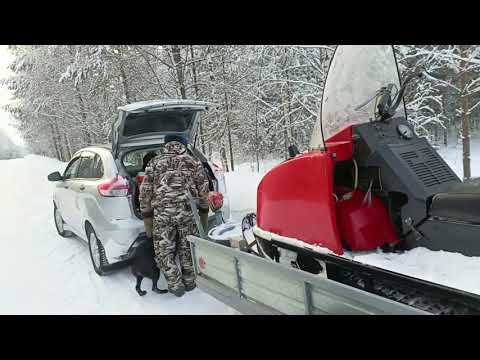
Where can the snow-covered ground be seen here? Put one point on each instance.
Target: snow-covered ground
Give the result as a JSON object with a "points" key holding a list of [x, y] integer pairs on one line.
{"points": [[242, 187], [43, 273]]}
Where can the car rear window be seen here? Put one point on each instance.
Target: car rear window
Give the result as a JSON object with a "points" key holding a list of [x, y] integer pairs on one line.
{"points": [[97, 171], [158, 121]]}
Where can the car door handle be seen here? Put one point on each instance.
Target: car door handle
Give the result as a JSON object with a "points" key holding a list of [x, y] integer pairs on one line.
{"points": [[82, 187], [65, 187]]}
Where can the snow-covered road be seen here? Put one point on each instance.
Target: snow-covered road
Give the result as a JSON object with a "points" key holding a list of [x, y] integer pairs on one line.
{"points": [[43, 273]]}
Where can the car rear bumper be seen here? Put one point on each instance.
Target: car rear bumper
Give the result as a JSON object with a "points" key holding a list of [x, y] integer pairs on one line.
{"points": [[118, 236]]}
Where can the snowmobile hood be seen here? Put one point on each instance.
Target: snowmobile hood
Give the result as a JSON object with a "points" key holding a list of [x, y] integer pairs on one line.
{"points": [[355, 75]]}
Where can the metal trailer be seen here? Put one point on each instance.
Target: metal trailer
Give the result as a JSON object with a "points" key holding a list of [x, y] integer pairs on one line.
{"points": [[256, 286]]}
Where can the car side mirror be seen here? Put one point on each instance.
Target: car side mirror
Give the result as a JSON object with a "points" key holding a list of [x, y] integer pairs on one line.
{"points": [[55, 176]]}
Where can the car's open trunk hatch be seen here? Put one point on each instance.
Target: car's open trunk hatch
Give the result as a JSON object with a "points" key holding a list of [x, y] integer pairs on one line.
{"points": [[146, 123], [141, 124], [141, 128]]}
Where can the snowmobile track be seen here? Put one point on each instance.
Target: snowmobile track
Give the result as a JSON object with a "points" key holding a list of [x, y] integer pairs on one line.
{"points": [[427, 296]]}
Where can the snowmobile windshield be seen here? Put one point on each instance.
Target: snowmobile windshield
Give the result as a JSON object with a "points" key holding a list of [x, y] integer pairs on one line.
{"points": [[355, 78]]}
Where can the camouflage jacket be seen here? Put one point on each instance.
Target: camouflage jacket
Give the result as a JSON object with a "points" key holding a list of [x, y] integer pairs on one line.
{"points": [[169, 176]]}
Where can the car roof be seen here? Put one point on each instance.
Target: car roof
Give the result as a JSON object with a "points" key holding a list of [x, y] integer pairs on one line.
{"points": [[151, 104], [103, 146], [100, 148]]}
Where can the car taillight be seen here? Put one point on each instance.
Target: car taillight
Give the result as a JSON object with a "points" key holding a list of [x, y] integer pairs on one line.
{"points": [[118, 186], [140, 177]]}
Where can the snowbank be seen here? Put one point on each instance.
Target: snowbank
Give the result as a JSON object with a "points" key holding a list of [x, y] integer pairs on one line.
{"points": [[453, 155], [445, 268], [242, 186]]}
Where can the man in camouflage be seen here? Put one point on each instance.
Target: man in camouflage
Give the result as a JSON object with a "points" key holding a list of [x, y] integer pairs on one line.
{"points": [[163, 194]]}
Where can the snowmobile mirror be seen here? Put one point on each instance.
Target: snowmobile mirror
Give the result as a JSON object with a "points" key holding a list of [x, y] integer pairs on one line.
{"points": [[55, 176], [293, 151], [420, 73], [385, 102]]}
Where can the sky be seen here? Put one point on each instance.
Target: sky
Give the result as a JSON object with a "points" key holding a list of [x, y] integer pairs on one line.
{"points": [[6, 120]]}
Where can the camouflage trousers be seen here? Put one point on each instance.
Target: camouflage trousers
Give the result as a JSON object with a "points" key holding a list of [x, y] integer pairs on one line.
{"points": [[170, 240]]}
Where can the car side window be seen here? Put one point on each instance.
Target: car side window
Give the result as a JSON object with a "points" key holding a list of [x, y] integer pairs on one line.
{"points": [[71, 169], [97, 171]]}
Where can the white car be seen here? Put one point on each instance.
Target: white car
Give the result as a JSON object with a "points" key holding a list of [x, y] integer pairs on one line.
{"points": [[96, 198]]}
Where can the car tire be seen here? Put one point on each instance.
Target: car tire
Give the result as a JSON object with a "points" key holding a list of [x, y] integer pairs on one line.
{"points": [[97, 251], [59, 223]]}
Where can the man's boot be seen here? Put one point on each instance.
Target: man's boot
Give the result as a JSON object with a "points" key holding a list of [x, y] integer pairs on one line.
{"points": [[190, 287], [179, 292]]}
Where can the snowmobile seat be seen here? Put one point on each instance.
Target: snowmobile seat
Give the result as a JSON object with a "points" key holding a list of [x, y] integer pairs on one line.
{"points": [[461, 202]]}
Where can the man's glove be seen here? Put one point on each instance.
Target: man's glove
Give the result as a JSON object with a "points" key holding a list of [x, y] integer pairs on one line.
{"points": [[148, 222], [203, 213]]}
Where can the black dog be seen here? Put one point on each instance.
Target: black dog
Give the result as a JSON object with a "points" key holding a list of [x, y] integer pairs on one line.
{"points": [[143, 265]]}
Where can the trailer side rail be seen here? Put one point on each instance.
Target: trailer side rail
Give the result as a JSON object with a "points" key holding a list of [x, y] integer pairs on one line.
{"points": [[254, 285]]}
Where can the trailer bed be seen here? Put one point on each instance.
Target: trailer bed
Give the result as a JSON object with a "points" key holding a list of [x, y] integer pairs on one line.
{"points": [[257, 286]]}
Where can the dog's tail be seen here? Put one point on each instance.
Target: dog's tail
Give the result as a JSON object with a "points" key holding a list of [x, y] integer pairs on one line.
{"points": [[132, 250]]}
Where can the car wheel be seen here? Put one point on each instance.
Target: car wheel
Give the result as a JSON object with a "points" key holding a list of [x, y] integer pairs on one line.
{"points": [[59, 223], [97, 251]]}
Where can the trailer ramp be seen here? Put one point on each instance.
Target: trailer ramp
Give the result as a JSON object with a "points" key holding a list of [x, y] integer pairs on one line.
{"points": [[257, 286]]}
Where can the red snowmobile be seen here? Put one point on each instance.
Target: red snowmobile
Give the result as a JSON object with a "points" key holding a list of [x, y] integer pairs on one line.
{"points": [[367, 182]]}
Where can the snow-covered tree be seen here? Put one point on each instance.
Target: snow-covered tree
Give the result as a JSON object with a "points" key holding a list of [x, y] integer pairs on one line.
{"points": [[424, 100], [267, 96]]}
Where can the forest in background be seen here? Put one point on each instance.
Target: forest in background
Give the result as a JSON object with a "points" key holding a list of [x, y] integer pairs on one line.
{"points": [[9, 150], [66, 96]]}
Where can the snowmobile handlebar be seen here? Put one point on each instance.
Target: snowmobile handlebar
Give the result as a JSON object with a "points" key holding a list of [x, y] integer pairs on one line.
{"points": [[385, 95], [385, 105]]}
